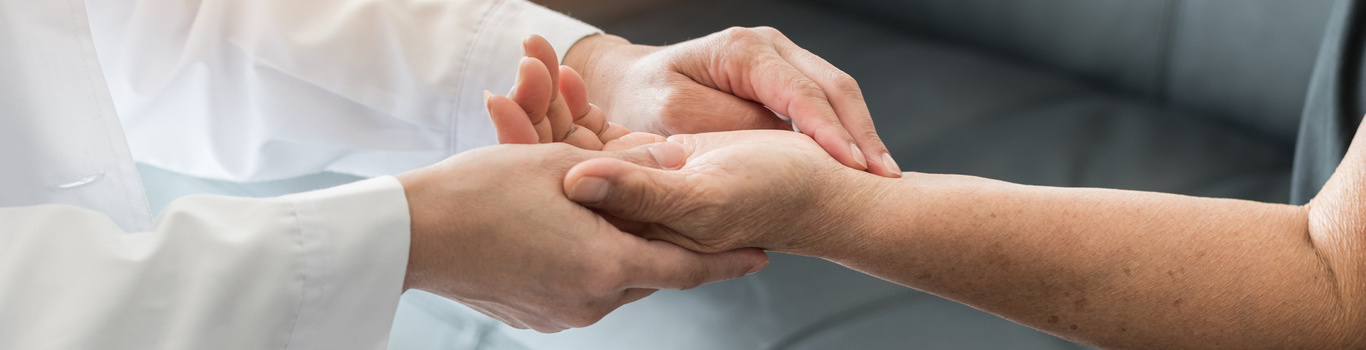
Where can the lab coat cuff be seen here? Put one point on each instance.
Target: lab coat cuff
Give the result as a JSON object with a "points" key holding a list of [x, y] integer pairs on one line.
{"points": [[355, 240], [493, 61], [513, 20]]}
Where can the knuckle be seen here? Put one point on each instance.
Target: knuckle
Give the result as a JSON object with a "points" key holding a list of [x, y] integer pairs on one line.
{"points": [[768, 31], [808, 89], [738, 33], [846, 84], [740, 39]]}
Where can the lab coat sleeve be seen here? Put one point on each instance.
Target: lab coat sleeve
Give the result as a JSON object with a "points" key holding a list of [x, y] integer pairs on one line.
{"points": [[252, 90], [319, 270]]}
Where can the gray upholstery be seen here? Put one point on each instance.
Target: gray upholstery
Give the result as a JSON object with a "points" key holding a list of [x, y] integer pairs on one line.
{"points": [[1336, 102], [1243, 61]]}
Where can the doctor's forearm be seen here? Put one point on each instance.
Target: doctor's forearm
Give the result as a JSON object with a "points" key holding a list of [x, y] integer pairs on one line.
{"points": [[1117, 269]]}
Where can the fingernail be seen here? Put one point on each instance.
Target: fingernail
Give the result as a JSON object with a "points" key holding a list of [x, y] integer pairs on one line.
{"points": [[669, 155], [757, 268], [487, 95], [589, 190], [890, 163], [858, 155]]}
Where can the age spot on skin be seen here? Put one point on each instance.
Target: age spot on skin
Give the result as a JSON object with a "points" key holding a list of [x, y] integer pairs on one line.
{"points": [[1128, 272], [1080, 304], [1073, 327], [1177, 303], [1053, 319]]}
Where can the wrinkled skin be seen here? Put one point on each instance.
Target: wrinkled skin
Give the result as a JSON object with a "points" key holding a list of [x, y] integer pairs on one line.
{"points": [[732, 80], [768, 189], [492, 230]]}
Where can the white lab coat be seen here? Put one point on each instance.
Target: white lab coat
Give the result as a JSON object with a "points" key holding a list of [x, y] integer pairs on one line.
{"points": [[253, 90], [320, 270]]}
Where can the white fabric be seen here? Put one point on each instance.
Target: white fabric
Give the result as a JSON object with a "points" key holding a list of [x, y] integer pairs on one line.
{"points": [[321, 270], [249, 90], [60, 140]]}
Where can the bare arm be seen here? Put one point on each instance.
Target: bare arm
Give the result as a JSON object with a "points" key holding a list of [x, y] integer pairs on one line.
{"points": [[1115, 269], [1124, 269], [1118, 269]]}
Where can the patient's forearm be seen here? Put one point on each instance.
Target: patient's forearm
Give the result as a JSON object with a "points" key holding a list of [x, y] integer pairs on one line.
{"points": [[1117, 269]]}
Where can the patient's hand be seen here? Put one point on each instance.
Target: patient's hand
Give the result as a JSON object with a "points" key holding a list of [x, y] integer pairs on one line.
{"points": [[737, 189], [549, 103], [770, 189]]}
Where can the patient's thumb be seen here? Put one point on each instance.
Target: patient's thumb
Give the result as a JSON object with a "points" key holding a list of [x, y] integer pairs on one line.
{"points": [[626, 190]]}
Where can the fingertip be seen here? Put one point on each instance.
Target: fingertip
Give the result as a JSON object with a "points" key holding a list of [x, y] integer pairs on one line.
{"points": [[574, 91], [600, 168], [510, 120], [613, 131], [857, 155], [890, 167], [687, 141], [588, 190], [842, 148], [668, 155], [759, 261], [526, 44], [539, 48], [532, 91]]}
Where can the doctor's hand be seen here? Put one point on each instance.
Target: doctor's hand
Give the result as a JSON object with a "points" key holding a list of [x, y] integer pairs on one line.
{"points": [[491, 229], [725, 81], [768, 189]]}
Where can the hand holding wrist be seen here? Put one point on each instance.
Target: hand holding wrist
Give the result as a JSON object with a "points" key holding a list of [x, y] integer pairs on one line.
{"points": [[491, 229]]}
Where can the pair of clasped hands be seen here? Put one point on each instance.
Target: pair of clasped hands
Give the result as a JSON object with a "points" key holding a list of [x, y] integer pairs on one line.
{"points": [[508, 230]]}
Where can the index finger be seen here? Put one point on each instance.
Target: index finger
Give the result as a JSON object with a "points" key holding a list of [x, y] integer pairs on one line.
{"points": [[781, 86], [846, 100]]}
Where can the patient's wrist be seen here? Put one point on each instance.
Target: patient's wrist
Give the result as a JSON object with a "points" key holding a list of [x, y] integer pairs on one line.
{"points": [[853, 209]]}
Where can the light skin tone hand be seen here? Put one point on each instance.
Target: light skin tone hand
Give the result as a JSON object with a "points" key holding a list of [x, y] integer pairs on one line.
{"points": [[491, 229], [1107, 268], [549, 103], [735, 79]]}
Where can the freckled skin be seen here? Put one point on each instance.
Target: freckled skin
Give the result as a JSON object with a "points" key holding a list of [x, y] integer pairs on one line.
{"points": [[1126, 269]]}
